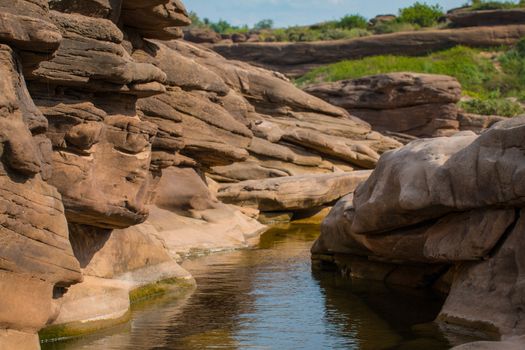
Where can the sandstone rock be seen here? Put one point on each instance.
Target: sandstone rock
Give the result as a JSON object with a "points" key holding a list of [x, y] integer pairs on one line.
{"points": [[477, 123], [291, 193], [188, 218], [468, 18], [441, 177], [87, 139], [158, 19], [202, 35], [295, 59], [421, 105], [454, 200], [512, 343], [36, 258], [467, 236], [119, 125], [25, 25], [239, 38], [227, 94], [109, 9], [112, 267], [389, 91], [489, 294], [382, 19]]}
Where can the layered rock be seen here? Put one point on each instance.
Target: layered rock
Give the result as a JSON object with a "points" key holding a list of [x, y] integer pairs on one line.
{"points": [[295, 59], [466, 17], [240, 122], [450, 211], [477, 123], [421, 105], [202, 35], [36, 258], [292, 193]]}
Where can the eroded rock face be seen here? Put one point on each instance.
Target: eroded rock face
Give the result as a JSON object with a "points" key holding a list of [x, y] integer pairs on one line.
{"points": [[438, 203], [36, 258], [421, 105], [239, 122]]}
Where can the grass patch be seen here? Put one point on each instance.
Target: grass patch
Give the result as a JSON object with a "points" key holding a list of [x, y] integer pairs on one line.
{"points": [[489, 78], [466, 64], [493, 106], [478, 5]]}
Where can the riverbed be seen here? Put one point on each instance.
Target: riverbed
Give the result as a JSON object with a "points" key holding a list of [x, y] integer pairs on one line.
{"points": [[269, 298]]}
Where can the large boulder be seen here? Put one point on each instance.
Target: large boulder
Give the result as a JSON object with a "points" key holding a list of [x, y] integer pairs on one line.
{"points": [[449, 210], [291, 193], [202, 35], [422, 105]]}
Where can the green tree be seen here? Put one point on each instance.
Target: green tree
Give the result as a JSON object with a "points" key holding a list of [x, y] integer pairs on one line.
{"points": [[195, 20], [421, 14], [263, 24], [221, 26], [352, 21]]}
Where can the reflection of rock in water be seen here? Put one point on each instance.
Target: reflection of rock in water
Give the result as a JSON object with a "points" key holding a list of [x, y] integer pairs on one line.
{"points": [[384, 317]]}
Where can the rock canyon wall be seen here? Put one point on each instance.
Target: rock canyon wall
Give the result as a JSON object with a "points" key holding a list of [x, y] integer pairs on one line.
{"points": [[119, 143]]}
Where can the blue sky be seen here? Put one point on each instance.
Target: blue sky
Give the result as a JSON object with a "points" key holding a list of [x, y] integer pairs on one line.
{"points": [[298, 12]]}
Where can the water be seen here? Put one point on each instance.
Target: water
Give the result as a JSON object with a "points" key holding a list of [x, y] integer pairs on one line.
{"points": [[268, 298]]}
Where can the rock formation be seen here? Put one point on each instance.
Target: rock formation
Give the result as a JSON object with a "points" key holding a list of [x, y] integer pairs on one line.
{"points": [[466, 17], [293, 193], [36, 258], [421, 105], [295, 59], [113, 140], [443, 213]]}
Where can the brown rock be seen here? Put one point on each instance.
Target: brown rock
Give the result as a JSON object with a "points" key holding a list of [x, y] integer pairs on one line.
{"points": [[421, 105], [477, 123], [468, 18], [202, 35], [291, 193], [36, 258], [389, 91], [489, 294], [459, 177], [158, 19]]}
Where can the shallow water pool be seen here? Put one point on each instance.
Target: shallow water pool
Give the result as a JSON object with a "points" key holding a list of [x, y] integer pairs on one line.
{"points": [[269, 298]]}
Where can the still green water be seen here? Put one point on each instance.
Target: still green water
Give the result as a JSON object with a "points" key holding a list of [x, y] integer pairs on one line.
{"points": [[269, 298]]}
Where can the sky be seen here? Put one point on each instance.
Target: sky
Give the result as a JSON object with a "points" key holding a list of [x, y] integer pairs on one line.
{"points": [[298, 12]]}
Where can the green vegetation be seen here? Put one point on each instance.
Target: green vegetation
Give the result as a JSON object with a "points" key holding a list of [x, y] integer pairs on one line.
{"points": [[477, 5], [464, 63], [160, 288], [421, 14], [492, 79], [418, 16], [493, 106], [352, 21]]}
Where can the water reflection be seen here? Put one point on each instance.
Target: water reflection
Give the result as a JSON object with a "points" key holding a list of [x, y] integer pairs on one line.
{"points": [[268, 298]]}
